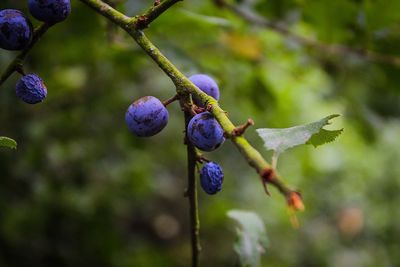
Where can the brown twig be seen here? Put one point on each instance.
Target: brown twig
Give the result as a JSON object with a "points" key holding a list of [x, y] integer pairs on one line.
{"points": [[241, 129]]}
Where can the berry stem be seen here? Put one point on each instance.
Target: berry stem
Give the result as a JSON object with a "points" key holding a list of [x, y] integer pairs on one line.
{"points": [[170, 100], [18, 60], [200, 157]]}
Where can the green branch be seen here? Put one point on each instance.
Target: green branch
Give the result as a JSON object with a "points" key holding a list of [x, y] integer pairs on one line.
{"points": [[110, 13], [182, 83], [16, 64], [154, 12]]}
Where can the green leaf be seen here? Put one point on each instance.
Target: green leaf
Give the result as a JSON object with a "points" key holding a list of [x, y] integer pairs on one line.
{"points": [[281, 139], [7, 142], [323, 137], [251, 237]]}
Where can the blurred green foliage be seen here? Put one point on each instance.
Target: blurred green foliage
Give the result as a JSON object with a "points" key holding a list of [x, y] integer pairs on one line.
{"points": [[80, 190]]}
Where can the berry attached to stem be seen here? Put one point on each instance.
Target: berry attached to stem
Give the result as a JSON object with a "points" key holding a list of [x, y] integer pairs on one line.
{"points": [[205, 132], [50, 11], [146, 116], [31, 89], [206, 84], [211, 178], [15, 30]]}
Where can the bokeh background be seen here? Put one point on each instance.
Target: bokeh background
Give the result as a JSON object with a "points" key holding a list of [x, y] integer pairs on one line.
{"points": [[80, 190]]}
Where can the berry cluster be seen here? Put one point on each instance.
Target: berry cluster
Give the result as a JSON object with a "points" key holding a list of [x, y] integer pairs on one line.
{"points": [[16, 33], [147, 116]]}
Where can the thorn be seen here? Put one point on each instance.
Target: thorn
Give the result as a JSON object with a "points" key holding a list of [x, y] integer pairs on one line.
{"points": [[266, 188], [157, 2], [170, 100], [266, 176], [240, 130]]}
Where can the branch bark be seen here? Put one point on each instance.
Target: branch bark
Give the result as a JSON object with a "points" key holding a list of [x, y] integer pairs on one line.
{"points": [[183, 84]]}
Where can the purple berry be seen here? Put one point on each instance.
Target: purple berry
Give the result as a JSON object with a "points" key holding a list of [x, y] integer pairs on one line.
{"points": [[205, 132], [206, 84], [31, 89], [211, 178], [15, 30], [146, 116], [50, 11]]}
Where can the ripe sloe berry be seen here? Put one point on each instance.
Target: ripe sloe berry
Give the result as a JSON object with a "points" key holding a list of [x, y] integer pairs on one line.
{"points": [[31, 89], [15, 30], [146, 116], [206, 84], [205, 132], [50, 11], [211, 178]]}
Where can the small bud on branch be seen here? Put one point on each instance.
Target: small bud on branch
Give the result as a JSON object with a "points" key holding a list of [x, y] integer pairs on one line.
{"points": [[295, 201]]}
